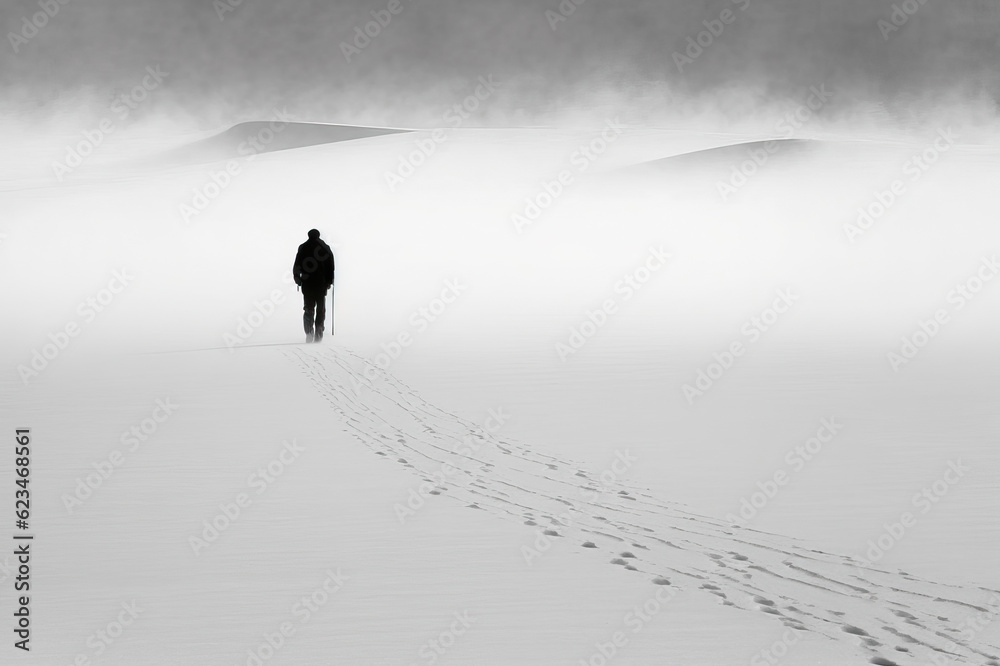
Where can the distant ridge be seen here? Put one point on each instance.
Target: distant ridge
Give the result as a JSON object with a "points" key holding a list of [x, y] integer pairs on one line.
{"points": [[254, 137], [729, 154]]}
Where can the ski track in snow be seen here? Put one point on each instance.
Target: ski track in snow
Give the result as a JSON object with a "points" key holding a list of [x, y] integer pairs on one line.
{"points": [[891, 617]]}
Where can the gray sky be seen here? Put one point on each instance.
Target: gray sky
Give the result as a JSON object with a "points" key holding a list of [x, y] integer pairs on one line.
{"points": [[267, 54]]}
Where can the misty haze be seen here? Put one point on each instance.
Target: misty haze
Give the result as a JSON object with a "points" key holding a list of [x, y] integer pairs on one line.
{"points": [[559, 332]]}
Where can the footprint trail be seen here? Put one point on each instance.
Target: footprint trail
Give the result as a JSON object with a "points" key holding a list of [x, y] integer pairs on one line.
{"points": [[889, 617]]}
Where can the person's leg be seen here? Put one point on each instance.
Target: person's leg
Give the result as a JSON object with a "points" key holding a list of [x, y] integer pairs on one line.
{"points": [[308, 305], [320, 315]]}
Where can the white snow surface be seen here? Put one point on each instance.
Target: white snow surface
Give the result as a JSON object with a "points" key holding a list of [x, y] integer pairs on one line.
{"points": [[383, 519]]}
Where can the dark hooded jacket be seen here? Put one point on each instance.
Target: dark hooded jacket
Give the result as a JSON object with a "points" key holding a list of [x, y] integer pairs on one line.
{"points": [[313, 267]]}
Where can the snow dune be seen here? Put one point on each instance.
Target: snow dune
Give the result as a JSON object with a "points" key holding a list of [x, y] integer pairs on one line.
{"points": [[725, 155], [255, 137], [508, 550], [886, 616], [368, 511]]}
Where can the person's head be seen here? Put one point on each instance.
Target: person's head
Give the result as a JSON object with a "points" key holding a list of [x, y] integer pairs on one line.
{"points": [[313, 234]]}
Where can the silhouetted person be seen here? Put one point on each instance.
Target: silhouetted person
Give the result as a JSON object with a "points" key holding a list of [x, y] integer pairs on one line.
{"points": [[313, 272]]}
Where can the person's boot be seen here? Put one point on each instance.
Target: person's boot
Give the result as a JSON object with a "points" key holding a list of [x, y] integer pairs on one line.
{"points": [[319, 335], [309, 337]]}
